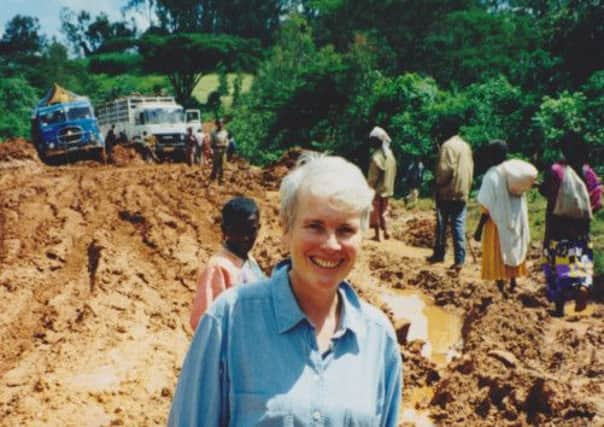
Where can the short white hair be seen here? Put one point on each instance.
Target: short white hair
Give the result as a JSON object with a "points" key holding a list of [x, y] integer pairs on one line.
{"points": [[331, 177]]}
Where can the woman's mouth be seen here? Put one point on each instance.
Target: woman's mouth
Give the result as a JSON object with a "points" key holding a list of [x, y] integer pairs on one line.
{"points": [[325, 263]]}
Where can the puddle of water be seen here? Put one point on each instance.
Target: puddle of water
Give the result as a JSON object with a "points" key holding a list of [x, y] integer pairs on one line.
{"points": [[439, 329]]}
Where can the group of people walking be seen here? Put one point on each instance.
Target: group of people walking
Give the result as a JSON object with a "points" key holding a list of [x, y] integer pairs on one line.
{"points": [[573, 192], [300, 347]]}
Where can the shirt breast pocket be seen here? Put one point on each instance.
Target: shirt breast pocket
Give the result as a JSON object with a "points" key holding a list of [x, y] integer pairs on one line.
{"points": [[256, 409]]}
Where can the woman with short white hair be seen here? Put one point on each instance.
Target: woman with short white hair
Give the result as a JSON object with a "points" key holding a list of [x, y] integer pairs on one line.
{"points": [[300, 348]]}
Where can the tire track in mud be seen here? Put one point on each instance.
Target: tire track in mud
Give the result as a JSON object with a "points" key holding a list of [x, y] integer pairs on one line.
{"points": [[58, 259], [56, 254]]}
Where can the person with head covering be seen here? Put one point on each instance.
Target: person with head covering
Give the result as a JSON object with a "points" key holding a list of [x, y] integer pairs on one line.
{"points": [[503, 226], [233, 264], [381, 176], [568, 251], [300, 348], [453, 180]]}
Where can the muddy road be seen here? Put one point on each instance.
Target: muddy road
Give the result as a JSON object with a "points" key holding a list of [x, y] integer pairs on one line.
{"points": [[97, 274]]}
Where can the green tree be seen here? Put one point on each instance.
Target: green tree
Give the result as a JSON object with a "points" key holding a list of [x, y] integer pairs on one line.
{"points": [[593, 90], [244, 18], [557, 115], [87, 35], [116, 63], [575, 32], [17, 98], [282, 108], [22, 37], [474, 45], [495, 109], [185, 57]]}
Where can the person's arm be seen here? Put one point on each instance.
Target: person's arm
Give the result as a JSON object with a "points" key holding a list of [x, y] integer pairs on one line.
{"points": [[201, 395], [212, 281], [394, 385], [545, 186], [375, 173], [444, 166], [483, 220]]}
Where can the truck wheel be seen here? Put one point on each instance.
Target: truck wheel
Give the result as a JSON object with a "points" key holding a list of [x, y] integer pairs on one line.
{"points": [[42, 156]]}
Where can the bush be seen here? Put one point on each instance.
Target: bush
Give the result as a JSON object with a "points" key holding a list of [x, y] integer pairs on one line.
{"points": [[17, 100], [557, 116], [116, 63]]}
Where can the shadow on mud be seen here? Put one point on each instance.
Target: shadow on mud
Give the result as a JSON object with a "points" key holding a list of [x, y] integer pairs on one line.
{"points": [[75, 157]]}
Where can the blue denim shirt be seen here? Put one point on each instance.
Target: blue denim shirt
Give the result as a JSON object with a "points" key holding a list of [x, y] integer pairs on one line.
{"points": [[254, 361]]}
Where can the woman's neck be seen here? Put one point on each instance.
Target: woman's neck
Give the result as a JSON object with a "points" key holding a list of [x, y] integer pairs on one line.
{"points": [[321, 308]]}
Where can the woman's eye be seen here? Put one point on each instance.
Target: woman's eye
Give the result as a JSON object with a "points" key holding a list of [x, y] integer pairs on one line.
{"points": [[347, 231]]}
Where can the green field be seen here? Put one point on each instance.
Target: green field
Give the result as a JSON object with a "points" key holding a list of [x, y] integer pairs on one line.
{"points": [[209, 83]]}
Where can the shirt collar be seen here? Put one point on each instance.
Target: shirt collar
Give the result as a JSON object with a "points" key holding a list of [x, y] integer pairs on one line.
{"points": [[351, 310], [289, 314], [287, 311]]}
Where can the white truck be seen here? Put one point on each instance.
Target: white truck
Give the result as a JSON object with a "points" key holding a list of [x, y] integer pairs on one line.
{"points": [[135, 115]]}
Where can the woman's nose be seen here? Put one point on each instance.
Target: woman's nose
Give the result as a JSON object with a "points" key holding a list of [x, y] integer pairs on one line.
{"points": [[331, 241]]}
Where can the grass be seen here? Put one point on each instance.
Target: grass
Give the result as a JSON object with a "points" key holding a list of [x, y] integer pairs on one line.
{"points": [[209, 83]]}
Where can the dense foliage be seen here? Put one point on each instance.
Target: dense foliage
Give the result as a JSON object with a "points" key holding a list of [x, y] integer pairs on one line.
{"points": [[328, 70]]}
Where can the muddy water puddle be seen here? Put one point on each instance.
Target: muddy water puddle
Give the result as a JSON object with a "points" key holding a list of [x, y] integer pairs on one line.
{"points": [[438, 328], [440, 331]]}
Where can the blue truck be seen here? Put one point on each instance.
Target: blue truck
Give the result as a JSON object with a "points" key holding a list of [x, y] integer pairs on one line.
{"points": [[64, 122]]}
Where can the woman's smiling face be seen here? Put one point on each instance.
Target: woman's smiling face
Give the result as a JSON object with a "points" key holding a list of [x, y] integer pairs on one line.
{"points": [[323, 243]]}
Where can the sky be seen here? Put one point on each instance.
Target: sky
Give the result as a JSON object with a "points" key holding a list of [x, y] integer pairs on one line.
{"points": [[48, 12]]}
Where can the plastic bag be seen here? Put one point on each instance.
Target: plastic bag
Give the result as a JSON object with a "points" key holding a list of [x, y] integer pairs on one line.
{"points": [[520, 176]]}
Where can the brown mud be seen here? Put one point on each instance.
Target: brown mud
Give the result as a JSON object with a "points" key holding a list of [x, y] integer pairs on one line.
{"points": [[97, 273]]}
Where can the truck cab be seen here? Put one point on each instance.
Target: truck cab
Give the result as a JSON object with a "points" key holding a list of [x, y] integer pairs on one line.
{"points": [[193, 119], [64, 123], [165, 122]]}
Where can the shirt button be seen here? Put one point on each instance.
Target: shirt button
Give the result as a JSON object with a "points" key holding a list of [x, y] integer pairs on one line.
{"points": [[316, 416]]}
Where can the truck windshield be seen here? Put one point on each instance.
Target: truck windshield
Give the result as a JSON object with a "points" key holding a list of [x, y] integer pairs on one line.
{"points": [[162, 115], [52, 117], [79, 113]]}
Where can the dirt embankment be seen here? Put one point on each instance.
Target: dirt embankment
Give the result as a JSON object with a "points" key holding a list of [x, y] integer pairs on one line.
{"points": [[97, 273]]}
